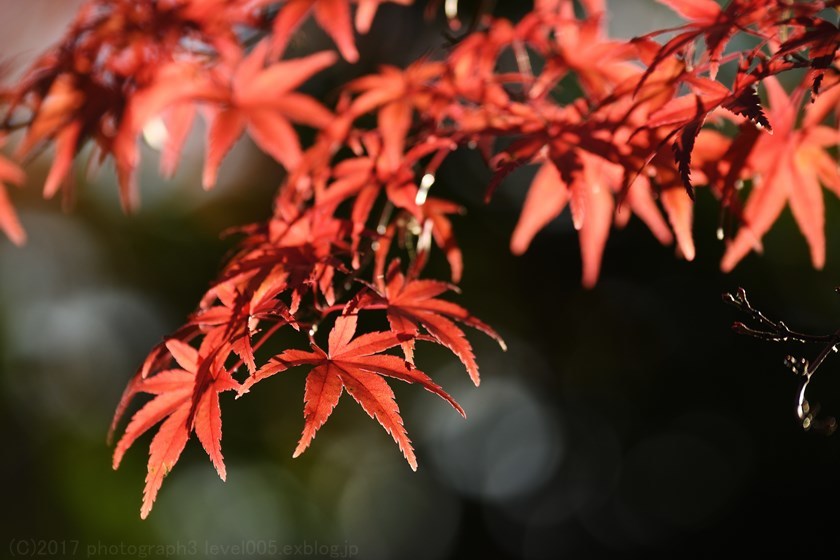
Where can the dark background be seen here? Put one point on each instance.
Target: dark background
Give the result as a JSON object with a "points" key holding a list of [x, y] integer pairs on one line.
{"points": [[627, 420]]}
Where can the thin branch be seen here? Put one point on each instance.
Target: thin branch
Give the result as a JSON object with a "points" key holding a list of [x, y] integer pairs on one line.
{"points": [[772, 331], [777, 331]]}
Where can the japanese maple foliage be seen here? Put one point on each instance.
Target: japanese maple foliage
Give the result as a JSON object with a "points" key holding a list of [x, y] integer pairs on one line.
{"points": [[613, 127]]}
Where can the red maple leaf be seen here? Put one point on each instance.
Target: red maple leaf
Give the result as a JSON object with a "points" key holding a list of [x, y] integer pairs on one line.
{"points": [[295, 254], [590, 194], [714, 23], [87, 87], [261, 99], [358, 366], [363, 178], [9, 223], [412, 303], [56, 117], [573, 48], [395, 93], [788, 168], [333, 16], [435, 211], [186, 399], [683, 117], [242, 308], [822, 39]]}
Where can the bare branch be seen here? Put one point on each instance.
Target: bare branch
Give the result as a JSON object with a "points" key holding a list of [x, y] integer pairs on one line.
{"points": [[777, 331]]}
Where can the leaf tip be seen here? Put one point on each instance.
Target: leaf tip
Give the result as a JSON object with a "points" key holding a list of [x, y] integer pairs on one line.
{"points": [[518, 246]]}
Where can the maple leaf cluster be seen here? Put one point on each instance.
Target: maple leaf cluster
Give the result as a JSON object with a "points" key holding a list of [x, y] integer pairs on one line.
{"points": [[614, 128]]}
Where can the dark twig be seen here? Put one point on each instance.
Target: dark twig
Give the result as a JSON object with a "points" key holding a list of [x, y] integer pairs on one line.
{"points": [[777, 331]]}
